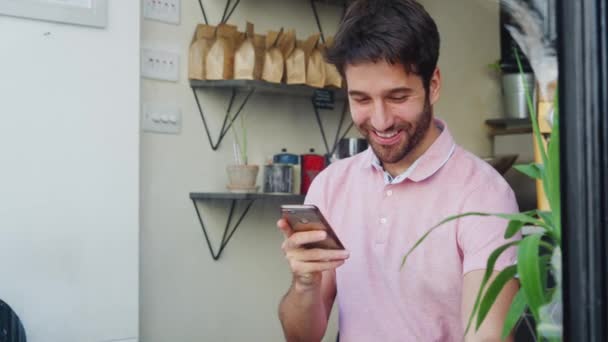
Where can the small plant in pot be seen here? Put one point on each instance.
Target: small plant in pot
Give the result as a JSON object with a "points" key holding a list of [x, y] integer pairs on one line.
{"points": [[242, 176]]}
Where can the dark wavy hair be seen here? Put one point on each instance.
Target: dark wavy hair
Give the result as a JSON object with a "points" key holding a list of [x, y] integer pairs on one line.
{"points": [[397, 31]]}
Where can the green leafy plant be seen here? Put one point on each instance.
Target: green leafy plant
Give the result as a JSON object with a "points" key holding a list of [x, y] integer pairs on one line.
{"points": [[533, 267]]}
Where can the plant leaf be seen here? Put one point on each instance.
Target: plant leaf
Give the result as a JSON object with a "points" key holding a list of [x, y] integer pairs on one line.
{"points": [[423, 237], [554, 170], [528, 268], [524, 217], [518, 306], [513, 227], [532, 109], [486, 277], [547, 217], [534, 171], [493, 291]]}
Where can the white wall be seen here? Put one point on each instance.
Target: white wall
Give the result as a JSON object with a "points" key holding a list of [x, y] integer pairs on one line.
{"points": [[185, 295], [69, 176]]}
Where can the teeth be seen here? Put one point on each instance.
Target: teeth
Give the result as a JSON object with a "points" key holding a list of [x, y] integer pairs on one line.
{"points": [[386, 134]]}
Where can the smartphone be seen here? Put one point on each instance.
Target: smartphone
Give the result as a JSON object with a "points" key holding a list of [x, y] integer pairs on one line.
{"points": [[307, 217]]}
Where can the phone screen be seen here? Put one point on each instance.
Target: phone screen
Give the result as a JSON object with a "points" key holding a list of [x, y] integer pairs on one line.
{"points": [[307, 218]]}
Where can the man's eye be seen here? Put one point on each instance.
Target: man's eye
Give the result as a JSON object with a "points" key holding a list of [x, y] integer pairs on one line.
{"points": [[362, 100], [398, 98]]}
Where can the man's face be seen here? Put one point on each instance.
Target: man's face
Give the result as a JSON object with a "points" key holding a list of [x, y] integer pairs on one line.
{"points": [[390, 107]]}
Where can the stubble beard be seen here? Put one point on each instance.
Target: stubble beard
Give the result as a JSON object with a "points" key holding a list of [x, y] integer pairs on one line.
{"points": [[414, 134]]}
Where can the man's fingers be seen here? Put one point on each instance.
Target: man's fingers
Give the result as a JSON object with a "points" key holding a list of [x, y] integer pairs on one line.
{"points": [[305, 268], [285, 228], [296, 240], [317, 255]]}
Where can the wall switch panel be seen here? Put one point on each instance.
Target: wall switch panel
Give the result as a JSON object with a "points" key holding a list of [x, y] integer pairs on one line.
{"points": [[167, 11], [160, 65], [161, 119]]}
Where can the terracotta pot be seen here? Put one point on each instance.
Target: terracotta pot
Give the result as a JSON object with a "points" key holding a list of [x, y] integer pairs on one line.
{"points": [[242, 176]]}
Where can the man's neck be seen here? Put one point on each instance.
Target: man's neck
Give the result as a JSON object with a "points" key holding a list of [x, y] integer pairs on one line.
{"points": [[401, 166]]}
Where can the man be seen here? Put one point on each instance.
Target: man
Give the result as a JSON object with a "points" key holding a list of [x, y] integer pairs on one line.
{"points": [[382, 200]]}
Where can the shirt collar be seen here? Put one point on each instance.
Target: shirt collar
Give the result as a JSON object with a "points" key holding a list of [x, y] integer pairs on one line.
{"points": [[427, 165]]}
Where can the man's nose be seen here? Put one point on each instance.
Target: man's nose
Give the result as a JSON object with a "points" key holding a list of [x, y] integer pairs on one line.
{"points": [[381, 120]]}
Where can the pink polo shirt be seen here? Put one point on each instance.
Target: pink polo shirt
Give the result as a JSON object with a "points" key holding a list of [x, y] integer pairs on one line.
{"points": [[378, 223]]}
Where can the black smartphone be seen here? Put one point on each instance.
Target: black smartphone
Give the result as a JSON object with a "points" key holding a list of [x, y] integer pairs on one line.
{"points": [[307, 217]]}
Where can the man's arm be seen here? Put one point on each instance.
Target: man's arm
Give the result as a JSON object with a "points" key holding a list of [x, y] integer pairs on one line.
{"points": [[491, 328], [304, 311]]}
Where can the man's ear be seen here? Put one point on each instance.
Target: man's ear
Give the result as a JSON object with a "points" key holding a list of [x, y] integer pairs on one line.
{"points": [[435, 86]]}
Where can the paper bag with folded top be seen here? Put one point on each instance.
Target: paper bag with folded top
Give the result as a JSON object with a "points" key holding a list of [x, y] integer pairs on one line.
{"points": [[245, 56], [274, 63], [199, 48], [296, 62], [259, 43], [315, 68], [332, 75], [219, 64]]}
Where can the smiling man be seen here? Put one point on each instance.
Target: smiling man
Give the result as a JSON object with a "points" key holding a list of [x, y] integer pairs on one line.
{"points": [[382, 200]]}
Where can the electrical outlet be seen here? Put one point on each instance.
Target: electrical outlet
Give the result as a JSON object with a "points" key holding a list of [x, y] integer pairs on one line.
{"points": [[167, 11], [161, 119], [160, 65]]}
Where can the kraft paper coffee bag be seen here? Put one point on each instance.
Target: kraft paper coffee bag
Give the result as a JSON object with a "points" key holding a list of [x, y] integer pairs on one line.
{"points": [[332, 75], [315, 68], [295, 65], [274, 63], [259, 43], [220, 59], [199, 48], [245, 57]]}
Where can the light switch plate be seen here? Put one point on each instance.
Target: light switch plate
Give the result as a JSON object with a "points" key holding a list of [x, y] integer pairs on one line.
{"points": [[160, 65], [167, 11], [158, 118]]}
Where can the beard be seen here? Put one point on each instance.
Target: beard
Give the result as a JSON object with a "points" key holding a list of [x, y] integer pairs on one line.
{"points": [[414, 133]]}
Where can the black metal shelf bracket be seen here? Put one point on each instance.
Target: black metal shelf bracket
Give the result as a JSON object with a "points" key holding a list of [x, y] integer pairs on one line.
{"points": [[315, 12], [225, 15], [228, 118], [340, 134], [228, 231]]}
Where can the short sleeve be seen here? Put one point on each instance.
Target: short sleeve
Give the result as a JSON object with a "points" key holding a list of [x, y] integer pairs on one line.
{"points": [[478, 236]]}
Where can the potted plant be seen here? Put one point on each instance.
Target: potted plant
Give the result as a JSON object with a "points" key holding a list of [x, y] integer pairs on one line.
{"points": [[539, 253], [242, 176]]}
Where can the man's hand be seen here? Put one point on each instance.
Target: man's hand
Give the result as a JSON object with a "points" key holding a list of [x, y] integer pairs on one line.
{"points": [[308, 264]]}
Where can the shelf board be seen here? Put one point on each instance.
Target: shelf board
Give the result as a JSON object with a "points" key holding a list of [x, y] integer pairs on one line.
{"points": [[245, 196], [509, 126], [264, 87]]}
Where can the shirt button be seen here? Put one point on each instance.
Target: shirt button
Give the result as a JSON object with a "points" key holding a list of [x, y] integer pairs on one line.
{"points": [[389, 193], [383, 220]]}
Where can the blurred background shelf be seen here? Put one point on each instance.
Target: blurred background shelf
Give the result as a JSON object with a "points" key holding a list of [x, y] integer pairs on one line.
{"points": [[263, 87], [508, 126], [248, 199]]}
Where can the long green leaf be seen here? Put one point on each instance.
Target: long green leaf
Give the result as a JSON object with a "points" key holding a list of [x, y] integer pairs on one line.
{"points": [[518, 306], [513, 228], [493, 291], [523, 217], [532, 109], [534, 171], [486, 277], [547, 217], [528, 268], [554, 169]]}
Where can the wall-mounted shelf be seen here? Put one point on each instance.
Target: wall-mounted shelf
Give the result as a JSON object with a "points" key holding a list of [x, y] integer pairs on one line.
{"points": [[508, 126], [263, 87], [248, 87], [235, 198]]}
